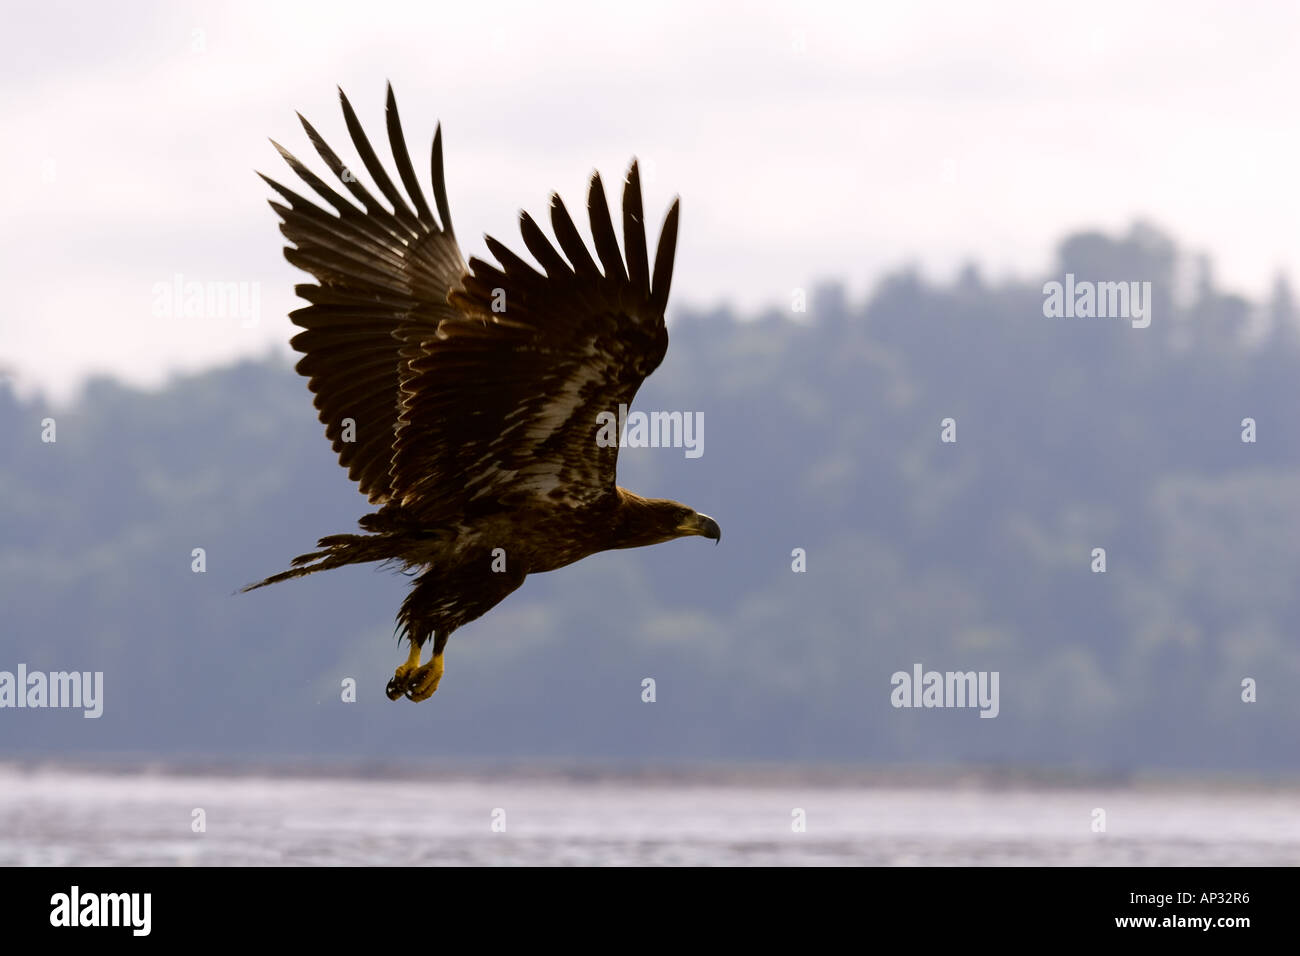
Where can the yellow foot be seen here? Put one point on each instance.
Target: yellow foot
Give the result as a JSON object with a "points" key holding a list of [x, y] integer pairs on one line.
{"points": [[421, 683], [402, 676]]}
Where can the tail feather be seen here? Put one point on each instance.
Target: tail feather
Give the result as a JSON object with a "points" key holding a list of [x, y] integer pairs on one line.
{"points": [[336, 551]]}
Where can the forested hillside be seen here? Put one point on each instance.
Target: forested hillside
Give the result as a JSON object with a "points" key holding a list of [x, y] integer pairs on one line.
{"points": [[822, 432]]}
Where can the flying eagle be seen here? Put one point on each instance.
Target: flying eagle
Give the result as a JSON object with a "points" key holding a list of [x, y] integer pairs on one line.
{"points": [[463, 398]]}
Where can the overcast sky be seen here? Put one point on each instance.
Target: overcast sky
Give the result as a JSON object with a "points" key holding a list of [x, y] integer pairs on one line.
{"points": [[807, 141]]}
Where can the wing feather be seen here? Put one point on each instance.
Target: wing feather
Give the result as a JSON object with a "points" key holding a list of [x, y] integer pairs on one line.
{"points": [[566, 233], [602, 231], [384, 277], [367, 153], [556, 268], [664, 255], [397, 143], [638, 272]]}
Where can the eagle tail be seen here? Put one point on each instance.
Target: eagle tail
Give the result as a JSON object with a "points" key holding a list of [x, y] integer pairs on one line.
{"points": [[336, 551]]}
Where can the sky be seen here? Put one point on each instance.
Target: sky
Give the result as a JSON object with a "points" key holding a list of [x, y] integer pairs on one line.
{"points": [[807, 141]]}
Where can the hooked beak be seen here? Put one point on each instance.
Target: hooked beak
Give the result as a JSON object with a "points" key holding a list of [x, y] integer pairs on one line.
{"points": [[702, 525]]}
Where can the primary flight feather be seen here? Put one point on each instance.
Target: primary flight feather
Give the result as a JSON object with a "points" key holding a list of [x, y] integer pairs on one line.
{"points": [[463, 398]]}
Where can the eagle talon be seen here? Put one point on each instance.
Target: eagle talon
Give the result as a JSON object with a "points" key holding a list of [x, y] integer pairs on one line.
{"points": [[402, 676], [424, 680]]}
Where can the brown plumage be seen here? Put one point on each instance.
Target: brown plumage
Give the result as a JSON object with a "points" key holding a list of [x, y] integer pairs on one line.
{"points": [[463, 399]]}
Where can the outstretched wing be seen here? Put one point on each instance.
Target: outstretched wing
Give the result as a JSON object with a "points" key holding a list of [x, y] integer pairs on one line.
{"points": [[500, 404], [384, 277]]}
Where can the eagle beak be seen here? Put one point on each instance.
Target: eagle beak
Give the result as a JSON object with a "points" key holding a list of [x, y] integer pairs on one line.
{"points": [[702, 525]]}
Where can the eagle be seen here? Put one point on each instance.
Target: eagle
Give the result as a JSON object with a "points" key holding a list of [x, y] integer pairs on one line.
{"points": [[465, 399]]}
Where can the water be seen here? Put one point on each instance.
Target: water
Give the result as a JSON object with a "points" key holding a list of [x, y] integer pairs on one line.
{"points": [[63, 817]]}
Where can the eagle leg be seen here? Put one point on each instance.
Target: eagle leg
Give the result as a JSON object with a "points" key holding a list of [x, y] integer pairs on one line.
{"points": [[401, 677], [413, 681]]}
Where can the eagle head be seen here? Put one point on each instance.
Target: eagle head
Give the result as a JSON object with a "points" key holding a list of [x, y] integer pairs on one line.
{"points": [[646, 521]]}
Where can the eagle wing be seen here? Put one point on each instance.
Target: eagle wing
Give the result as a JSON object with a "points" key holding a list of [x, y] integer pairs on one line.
{"points": [[501, 403], [478, 384], [384, 275]]}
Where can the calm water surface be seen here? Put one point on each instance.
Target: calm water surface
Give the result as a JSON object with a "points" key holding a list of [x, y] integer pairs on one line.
{"points": [[62, 817]]}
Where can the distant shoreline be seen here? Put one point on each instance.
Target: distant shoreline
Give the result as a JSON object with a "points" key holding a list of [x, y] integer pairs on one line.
{"points": [[649, 773]]}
